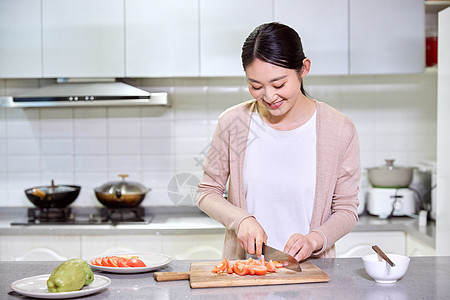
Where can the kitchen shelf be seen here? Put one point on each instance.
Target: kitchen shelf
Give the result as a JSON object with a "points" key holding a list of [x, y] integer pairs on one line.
{"points": [[433, 7]]}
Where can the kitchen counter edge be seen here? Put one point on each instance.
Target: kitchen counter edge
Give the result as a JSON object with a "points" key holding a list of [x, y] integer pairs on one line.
{"points": [[190, 220]]}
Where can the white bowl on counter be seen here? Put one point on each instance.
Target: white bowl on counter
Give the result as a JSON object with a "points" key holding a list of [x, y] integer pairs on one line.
{"points": [[381, 271]]}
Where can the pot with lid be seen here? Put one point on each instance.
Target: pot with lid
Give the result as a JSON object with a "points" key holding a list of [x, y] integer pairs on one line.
{"points": [[53, 196], [121, 194], [390, 176]]}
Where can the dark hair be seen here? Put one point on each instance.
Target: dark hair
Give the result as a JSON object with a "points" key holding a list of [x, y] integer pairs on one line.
{"points": [[277, 44]]}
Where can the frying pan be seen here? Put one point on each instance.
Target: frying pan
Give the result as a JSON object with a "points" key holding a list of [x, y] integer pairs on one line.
{"points": [[53, 196]]}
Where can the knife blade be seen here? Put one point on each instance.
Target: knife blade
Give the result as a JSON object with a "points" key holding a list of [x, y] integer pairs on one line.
{"points": [[287, 260]]}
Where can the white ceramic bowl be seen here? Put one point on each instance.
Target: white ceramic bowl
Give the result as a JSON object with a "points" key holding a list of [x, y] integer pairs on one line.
{"points": [[381, 271]]}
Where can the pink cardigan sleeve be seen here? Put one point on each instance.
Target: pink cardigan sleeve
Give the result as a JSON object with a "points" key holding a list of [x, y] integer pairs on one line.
{"points": [[340, 217], [216, 171]]}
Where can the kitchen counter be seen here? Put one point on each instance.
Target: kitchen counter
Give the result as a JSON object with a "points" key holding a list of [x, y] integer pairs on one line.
{"points": [[426, 278], [190, 220], [161, 220]]}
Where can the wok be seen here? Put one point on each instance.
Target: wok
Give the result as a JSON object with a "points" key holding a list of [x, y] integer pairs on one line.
{"points": [[53, 196], [121, 194]]}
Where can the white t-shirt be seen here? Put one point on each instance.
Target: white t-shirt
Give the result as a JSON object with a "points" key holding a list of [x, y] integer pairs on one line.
{"points": [[280, 178]]}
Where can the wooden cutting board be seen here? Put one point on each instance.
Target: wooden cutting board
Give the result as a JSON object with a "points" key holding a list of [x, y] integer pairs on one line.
{"points": [[200, 276]]}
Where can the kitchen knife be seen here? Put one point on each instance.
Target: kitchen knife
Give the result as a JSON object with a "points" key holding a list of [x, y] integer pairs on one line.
{"points": [[288, 261]]}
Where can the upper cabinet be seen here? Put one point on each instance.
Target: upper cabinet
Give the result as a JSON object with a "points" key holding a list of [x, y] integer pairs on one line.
{"points": [[224, 25], [191, 38], [83, 38], [162, 38], [387, 36], [323, 29], [20, 39]]}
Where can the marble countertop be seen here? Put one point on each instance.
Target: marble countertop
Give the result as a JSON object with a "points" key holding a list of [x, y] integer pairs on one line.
{"points": [[189, 220], [426, 278]]}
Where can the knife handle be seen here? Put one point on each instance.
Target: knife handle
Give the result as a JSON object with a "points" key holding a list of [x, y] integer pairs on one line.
{"points": [[170, 276]]}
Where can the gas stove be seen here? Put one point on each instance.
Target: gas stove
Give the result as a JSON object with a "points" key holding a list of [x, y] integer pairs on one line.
{"points": [[85, 216]]}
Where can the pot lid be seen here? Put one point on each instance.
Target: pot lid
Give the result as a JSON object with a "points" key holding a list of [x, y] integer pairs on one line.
{"points": [[123, 187], [54, 189], [57, 189], [390, 166]]}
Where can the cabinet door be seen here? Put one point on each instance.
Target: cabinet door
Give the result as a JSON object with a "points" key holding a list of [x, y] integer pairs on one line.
{"points": [[39, 248], [193, 246], [162, 38], [358, 244], [416, 247], [387, 36], [224, 26], [20, 34], [83, 38], [96, 245], [323, 29]]}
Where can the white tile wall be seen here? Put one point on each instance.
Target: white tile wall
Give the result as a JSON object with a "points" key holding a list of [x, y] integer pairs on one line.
{"points": [[395, 116]]}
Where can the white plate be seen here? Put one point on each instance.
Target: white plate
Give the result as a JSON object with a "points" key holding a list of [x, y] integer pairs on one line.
{"points": [[152, 261], [36, 287]]}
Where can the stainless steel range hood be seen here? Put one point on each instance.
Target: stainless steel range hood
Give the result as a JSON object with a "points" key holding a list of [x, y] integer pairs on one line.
{"points": [[78, 94]]}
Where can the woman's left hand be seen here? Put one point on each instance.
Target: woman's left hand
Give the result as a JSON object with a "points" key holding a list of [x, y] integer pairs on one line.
{"points": [[302, 246]]}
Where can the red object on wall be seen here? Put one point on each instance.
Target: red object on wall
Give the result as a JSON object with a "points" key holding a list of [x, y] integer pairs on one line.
{"points": [[431, 51]]}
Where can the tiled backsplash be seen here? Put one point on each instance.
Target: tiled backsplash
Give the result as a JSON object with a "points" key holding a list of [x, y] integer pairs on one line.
{"points": [[395, 116]]}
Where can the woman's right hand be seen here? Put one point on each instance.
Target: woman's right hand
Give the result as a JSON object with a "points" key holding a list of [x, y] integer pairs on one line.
{"points": [[251, 236]]}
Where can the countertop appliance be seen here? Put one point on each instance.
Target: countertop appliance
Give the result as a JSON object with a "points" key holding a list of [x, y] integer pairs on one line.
{"points": [[386, 202]]}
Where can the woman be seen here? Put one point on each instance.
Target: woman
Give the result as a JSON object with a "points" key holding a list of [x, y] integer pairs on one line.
{"points": [[291, 162]]}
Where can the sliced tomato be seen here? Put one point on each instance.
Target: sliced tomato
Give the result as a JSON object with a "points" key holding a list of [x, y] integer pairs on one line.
{"points": [[98, 261], [262, 261], [259, 270], [113, 261], [105, 262], [278, 264], [223, 267], [122, 262], [249, 266], [135, 263], [270, 266], [229, 268], [240, 268], [251, 271]]}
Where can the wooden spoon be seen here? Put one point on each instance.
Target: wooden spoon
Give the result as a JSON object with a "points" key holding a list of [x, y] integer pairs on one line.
{"points": [[382, 255]]}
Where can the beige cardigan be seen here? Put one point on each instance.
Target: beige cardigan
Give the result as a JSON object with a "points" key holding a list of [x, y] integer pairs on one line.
{"points": [[337, 179]]}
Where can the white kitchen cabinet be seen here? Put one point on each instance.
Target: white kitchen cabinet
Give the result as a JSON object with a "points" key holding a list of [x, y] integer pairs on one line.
{"points": [[94, 245], [193, 246], [224, 26], [443, 142], [162, 38], [83, 38], [416, 247], [387, 36], [323, 29], [39, 247], [359, 243], [20, 34]]}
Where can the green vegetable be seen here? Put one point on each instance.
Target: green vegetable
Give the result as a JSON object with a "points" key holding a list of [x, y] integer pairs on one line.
{"points": [[70, 276], [89, 275]]}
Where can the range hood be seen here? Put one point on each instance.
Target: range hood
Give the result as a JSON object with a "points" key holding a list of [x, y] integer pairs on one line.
{"points": [[79, 94]]}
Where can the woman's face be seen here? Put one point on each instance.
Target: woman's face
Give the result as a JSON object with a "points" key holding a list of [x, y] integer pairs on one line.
{"points": [[277, 88]]}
